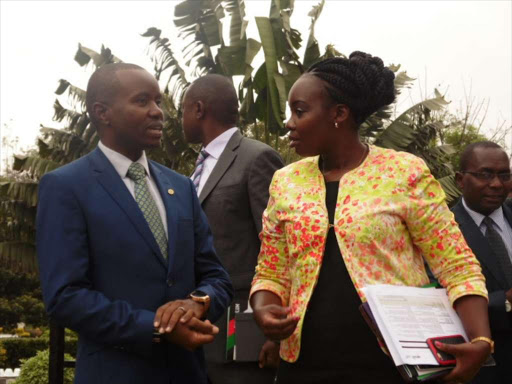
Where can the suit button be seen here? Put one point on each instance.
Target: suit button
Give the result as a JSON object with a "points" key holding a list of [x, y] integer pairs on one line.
{"points": [[169, 282]]}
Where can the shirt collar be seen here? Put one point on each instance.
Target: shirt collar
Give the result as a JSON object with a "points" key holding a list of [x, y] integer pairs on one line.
{"points": [[497, 216], [217, 145], [120, 162]]}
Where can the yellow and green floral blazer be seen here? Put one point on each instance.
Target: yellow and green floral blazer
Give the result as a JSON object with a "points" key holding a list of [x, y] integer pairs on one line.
{"points": [[390, 214]]}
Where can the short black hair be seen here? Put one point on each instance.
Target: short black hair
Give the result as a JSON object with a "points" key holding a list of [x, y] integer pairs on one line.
{"points": [[102, 85], [467, 153], [361, 82], [219, 96]]}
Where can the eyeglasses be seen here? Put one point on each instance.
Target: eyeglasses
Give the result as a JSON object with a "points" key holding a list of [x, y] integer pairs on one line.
{"points": [[487, 176]]}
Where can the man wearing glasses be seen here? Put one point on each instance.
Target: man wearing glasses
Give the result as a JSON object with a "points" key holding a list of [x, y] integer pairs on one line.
{"points": [[486, 223]]}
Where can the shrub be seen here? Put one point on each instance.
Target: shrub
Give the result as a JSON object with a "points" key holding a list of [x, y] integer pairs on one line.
{"points": [[24, 308], [16, 284], [13, 350], [35, 370]]}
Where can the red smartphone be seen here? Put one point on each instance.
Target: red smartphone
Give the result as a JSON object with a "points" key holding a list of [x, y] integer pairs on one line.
{"points": [[444, 358]]}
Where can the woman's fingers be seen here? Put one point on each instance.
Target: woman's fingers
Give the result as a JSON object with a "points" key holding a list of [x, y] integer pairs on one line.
{"points": [[275, 321], [278, 329], [279, 323], [469, 359]]}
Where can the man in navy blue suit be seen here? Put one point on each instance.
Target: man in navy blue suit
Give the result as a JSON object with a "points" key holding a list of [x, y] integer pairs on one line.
{"points": [[121, 238], [485, 220]]}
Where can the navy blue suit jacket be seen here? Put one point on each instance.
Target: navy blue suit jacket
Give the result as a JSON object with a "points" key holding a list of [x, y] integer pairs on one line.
{"points": [[500, 320], [103, 275]]}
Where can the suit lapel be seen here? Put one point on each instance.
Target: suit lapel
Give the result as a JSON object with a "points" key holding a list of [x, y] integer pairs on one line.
{"points": [[507, 211], [226, 158], [108, 177], [164, 186], [478, 243]]}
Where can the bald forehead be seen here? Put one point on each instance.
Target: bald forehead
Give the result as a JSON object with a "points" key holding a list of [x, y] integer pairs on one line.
{"points": [[492, 159], [133, 80]]}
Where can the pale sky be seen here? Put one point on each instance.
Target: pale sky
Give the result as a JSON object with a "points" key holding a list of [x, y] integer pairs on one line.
{"points": [[456, 46]]}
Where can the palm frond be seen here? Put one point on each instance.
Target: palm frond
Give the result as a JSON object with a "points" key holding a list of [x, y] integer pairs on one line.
{"points": [[84, 55], [312, 52], [18, 257], [199, 24], [34, 165], [20, 190], [238, 25], [165, 60], [76, 95]]}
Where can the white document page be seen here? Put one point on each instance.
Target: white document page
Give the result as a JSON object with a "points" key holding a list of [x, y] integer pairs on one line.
{"points": [[407, 316]]}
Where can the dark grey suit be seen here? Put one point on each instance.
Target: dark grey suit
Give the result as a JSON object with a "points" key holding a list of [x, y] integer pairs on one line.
{"points": [[500, 320], [234, 198]]}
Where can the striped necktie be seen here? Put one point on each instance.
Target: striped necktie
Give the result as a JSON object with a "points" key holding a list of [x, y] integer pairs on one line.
{"points": [[499, 248], [199, 168], [147, 205]]}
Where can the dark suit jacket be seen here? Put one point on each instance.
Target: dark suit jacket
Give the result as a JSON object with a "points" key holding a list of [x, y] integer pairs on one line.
{"points": [[500, 320], [234, 198], [103, 275]]}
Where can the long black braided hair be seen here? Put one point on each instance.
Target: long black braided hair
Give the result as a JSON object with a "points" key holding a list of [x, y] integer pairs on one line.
{"points": [[361, 82]]}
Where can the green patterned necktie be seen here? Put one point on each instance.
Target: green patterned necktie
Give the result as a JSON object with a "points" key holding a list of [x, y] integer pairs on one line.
{"points": [[147, 205]]}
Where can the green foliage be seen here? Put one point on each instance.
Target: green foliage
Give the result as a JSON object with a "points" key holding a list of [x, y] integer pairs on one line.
{"points": [[56, 147], [35, 370], [20, 300], [24, 308], [458, 137], [312, 52], [14, 284], [16, 350]]}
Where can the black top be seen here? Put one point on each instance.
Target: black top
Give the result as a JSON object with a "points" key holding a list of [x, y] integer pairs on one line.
{"points": [[337, 346]]}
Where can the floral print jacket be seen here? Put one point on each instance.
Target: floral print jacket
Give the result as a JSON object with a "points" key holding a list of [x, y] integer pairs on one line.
{"points": [[390, 214]]}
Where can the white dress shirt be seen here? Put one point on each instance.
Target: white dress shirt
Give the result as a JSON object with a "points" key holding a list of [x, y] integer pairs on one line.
{"points": [[499, 223], [214, 149], [121, 164]]}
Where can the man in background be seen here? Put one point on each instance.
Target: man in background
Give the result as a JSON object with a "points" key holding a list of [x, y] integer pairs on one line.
{"points": [[486, 223], [232, 178]]}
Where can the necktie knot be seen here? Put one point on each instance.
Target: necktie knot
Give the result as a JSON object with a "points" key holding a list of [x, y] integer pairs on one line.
{"points": [[488, 222], [202, 157], [136, 172]]}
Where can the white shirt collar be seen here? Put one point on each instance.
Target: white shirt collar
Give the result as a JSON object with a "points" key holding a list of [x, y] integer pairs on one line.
{"points": [[497, 216], [120, 162], [217, 145]]}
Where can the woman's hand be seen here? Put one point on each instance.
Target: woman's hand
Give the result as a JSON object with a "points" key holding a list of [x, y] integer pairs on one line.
{"points": [[472, 311], [470, 358], [269, 355], [274, 321]]}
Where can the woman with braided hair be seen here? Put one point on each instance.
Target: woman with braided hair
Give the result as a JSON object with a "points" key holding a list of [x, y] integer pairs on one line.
{"points": [[350, 215]]}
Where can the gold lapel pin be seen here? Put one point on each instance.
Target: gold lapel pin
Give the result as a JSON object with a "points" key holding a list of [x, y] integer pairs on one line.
{"points": [[170, 191]]}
